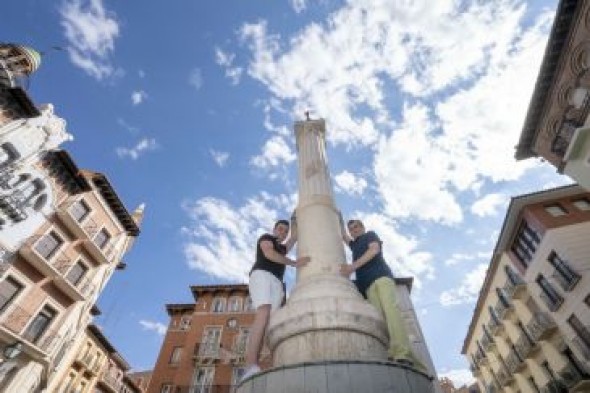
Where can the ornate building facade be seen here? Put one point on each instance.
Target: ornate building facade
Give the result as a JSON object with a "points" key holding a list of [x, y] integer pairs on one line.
{"points": [[557, 126], [203, 350], [530, 330], [63, 232]]}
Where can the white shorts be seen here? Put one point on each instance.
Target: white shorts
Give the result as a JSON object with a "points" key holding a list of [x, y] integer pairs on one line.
{"points": [[265, 288]]}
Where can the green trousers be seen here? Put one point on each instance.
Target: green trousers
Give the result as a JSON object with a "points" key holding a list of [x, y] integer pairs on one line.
{"points": [[382, 295]]}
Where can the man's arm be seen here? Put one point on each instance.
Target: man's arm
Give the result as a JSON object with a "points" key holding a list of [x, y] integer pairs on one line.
{"points": [[373, 249], [293, 235], [345, 236], [270, 253]]}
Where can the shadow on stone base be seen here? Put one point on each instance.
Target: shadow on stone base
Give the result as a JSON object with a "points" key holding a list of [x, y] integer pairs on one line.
{"points": [[339, 377]]}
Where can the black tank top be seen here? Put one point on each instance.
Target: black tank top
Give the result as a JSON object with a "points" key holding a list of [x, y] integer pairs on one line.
{"points": [[263, 263]]}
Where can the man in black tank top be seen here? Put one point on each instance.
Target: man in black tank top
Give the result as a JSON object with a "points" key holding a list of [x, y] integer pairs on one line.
{"points": [[266, 284]]}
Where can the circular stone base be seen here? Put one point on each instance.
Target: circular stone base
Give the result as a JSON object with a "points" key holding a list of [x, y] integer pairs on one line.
{"points": [[339, 377]]}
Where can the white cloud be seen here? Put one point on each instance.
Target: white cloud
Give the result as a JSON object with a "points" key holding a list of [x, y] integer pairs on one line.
{"points": [[138, 96], [460, 114], [468, 290], [488, 205], [91, 32], [275, 152], [350, 183], [157, 327], [457, 258], [220, 157], [221, 238], [226, 60], [298, 5], [141, 73], [142, 147], [400, 251], [460, 377], [195, 78]]}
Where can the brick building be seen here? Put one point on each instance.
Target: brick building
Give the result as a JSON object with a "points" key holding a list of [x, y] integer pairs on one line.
{"points": [[203, 349]]}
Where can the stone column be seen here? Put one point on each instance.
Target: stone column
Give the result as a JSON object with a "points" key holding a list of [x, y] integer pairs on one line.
{"points": [[325, 317], [327, 338]]}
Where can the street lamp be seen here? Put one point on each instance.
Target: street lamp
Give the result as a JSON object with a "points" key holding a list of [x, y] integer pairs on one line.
{"points": [[13, 350]]}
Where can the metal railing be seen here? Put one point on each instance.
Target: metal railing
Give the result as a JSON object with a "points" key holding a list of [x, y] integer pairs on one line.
{"points": [[583, 347], [571, 375], [204, 389], [207, 350], [503, 310], [487, 342], [514, 289], [525, 346], [504, 376], [495, 326], [514, 362], [541, 326]]}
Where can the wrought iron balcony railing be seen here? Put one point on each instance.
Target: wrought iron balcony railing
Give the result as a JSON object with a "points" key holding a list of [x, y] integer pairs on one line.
{"points": [[515, 287], [503, 310], [541, 326], [515, 362], [526, 347]]}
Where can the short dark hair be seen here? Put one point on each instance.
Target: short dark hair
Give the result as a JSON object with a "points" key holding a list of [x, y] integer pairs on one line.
{"points": [[284, 222], [350, 222]]}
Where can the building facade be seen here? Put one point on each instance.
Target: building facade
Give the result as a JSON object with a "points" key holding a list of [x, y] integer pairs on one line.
{"points": [[530, 330], [204, 346], [63, 232], [557, 126], [97, 367]]}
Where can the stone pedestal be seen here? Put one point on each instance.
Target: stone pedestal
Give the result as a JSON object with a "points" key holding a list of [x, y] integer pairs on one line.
{"points": [[338, 377]]}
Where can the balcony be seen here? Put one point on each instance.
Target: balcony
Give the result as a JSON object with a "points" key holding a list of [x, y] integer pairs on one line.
{"points": [[14, 321], [554, 386], [582, 347], [567, 278], [475, 370], [526, 347], [504, 376], [89, 363], [496, 327], [488, 343], [514, 362], [81, 229], [541, 326], [110, 382], [575, 379], [203, 389], [516, 289], [207, 352], [56, 266], [504, 310]]}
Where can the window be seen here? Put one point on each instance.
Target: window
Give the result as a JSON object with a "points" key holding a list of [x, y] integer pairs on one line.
{"points": [[235, 304], [9, 289], [48, 244], [236, 374], [210, 341], [582, 204], [175, 356], [549, 295], [39, 324], [582, 331], [564, 274], [203, 379], [76, 273], [166, 388], [556, 210], [69, 382], [248, 304], [80, 210], [241, 340], [185, 322], [102, 238], [525, 244], [218, 304]]}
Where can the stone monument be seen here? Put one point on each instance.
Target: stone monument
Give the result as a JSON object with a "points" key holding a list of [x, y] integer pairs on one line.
{"points": [[327, 338]]}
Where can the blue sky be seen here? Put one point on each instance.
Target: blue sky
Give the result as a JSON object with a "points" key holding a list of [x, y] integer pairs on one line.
{"points": [[188, 106]]}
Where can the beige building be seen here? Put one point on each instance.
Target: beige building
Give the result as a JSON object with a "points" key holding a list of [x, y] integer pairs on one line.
{"points": [[97, 367], [557, 126], [530, 330], [51, 280]]}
